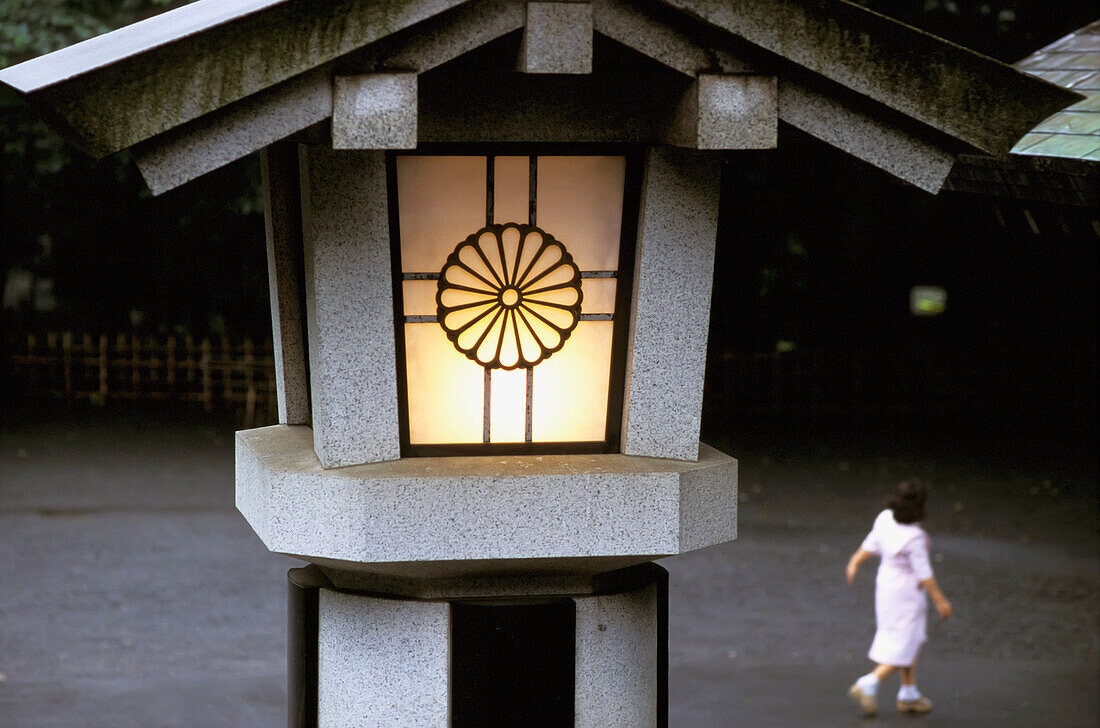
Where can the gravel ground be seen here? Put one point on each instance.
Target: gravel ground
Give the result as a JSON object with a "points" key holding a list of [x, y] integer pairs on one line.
{"points": [[134, 595]]}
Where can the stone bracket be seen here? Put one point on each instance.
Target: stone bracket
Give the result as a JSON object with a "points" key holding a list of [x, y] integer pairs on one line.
{"points": [[727, 111], [898, 152], [186, 152], [374, 111], [557, 38]]}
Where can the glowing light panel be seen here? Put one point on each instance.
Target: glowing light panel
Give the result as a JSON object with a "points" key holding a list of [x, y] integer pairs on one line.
{"points": [[509, 282]]}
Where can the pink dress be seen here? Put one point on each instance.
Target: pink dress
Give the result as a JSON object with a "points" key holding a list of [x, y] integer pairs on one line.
{"points": [[901, 606]]}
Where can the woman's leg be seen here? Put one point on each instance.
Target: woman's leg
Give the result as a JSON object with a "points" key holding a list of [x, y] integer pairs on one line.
{"points": [[909, 674], [884, 671]]}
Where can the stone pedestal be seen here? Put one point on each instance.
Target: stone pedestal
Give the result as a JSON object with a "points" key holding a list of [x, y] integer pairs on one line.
{"points": [[597, 659], [473, 591]]}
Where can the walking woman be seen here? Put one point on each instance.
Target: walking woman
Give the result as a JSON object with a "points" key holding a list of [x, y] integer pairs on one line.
{"points": [[901, 605]]}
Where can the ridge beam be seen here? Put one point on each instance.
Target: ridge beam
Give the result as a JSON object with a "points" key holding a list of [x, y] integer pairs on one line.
{"points": [[557, 38]]}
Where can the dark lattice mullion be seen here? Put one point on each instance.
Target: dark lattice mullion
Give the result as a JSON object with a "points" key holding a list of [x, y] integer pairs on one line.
{"points": [[532, 190], [532, 203], [420, 276], [487, 406], [490, 193], [527, 413]]}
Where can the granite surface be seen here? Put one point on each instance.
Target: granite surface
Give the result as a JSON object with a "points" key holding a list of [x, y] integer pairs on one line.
{"points": [[283, 225], [374, 111], [245, 126], [970, 97], [671, 308], [895, 151], [727, 111], [616, 660], [442, 38], [557, 38], [898, 152], [349, 306], [540, 517], [382, 662]]}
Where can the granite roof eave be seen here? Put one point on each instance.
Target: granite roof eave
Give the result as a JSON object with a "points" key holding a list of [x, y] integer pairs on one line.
{"points": [[1058, 160], [132, 40], [183, 64], [987, 104], [190, 62]]}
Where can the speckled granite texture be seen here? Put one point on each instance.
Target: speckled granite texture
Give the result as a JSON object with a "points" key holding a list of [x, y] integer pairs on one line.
{"points": [[891, 149], [722, 111], [283, 224], [212, 141], [382, 662], [410, 515], [374, 111], [878, 142], [557, 38], [616, 666], [349, 306], [672, 285]]}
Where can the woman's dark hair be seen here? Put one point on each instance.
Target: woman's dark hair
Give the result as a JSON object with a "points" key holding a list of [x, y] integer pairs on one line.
{"points": [[907, 503]]}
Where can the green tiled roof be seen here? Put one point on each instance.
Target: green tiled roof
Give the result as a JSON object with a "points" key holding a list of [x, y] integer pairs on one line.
{"points": [[1074, 63]]}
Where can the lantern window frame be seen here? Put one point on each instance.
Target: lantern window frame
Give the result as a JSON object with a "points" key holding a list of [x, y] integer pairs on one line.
{"points": [[624, 290]]}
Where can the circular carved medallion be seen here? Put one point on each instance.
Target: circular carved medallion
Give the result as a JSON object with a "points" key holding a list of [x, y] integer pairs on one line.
{"points": [[509, 296]]}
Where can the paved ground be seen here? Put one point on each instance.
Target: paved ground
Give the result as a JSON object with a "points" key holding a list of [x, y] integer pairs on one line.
{"points": [[134, 595]]}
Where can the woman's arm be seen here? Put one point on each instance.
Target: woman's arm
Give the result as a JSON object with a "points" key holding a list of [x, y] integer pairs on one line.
{"points": [[942, 605], [854, 563]]}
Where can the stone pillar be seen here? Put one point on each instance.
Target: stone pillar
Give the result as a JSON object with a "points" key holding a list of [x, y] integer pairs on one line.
{"points": [[673, 272], [353, 375], [401, 662]]}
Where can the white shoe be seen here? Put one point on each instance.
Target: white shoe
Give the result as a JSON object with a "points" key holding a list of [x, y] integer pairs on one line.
{"points": [[868, 703], [920, 705]]}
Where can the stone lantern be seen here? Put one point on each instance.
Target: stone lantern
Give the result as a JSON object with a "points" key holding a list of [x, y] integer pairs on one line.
{"points": [[490, 229]]}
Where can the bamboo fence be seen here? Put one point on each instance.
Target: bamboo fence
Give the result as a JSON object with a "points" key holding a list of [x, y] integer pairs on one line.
{"points": [[215, 373], [857, 384]]}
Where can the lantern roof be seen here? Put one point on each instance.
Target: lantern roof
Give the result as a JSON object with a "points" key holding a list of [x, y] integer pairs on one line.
{"points": [[184, 82], [1059, 159]]}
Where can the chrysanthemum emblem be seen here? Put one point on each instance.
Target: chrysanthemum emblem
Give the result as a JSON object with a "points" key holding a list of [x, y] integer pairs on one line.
{"points": [[509, 296]]}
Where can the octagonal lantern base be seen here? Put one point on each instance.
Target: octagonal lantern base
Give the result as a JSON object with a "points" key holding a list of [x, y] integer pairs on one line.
{"points": [[478, 526]]}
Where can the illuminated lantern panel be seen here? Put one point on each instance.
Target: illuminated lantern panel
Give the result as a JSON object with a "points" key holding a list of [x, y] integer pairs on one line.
{"points": [[514, 274]]}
